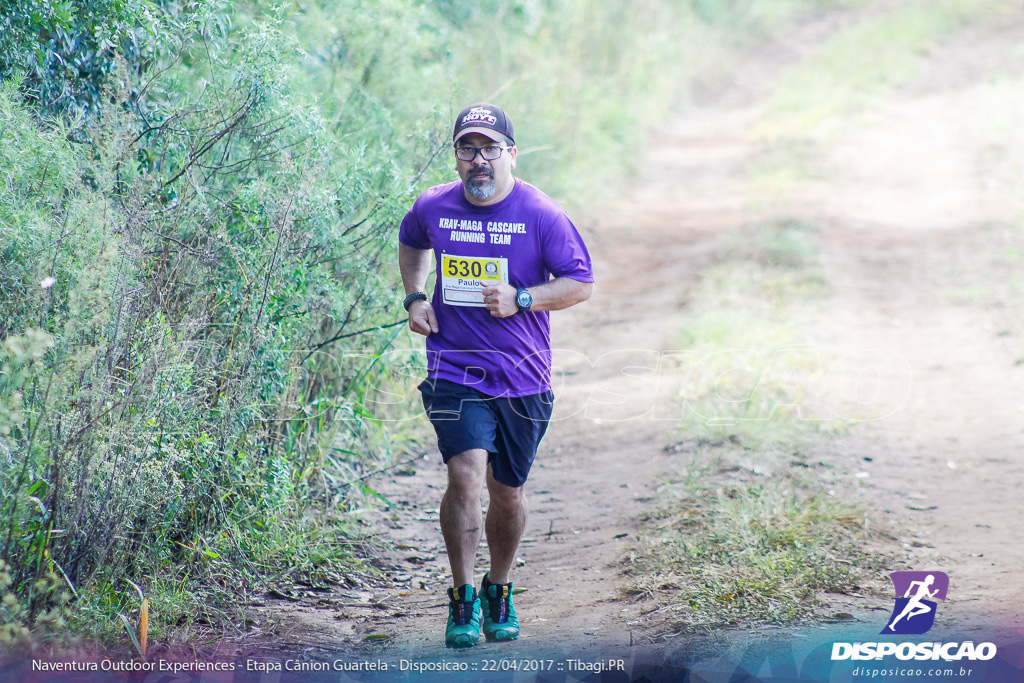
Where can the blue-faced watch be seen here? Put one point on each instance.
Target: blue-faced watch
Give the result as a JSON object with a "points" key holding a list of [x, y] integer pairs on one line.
{"points": [[524, 299]]}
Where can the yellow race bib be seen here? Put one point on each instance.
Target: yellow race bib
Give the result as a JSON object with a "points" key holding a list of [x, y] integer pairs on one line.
{"points": [[462, 278]]}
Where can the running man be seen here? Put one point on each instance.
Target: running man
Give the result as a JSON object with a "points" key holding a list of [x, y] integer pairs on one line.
{"points": [[504, 254], [915, 606]]}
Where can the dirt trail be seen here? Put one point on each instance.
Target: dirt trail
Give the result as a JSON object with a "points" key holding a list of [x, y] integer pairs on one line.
{"points": [[905, 214], [921, 215]]}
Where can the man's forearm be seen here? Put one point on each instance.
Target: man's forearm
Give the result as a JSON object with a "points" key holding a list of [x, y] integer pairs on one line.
{"points": [[562, 292], [414, 265]]}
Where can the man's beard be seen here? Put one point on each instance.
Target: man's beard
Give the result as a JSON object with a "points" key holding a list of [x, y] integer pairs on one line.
{"points": [[481, 192]]}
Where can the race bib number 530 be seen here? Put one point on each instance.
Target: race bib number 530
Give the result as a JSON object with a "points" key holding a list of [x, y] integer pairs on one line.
{"points": [[461, 278]]}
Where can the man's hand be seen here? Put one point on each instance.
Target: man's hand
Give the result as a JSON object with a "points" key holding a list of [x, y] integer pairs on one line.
{"points": [[422, 318], [500, 299]]}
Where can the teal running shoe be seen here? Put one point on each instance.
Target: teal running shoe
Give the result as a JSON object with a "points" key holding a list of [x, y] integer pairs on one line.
{"points": [[463, 628], [500, 621]]}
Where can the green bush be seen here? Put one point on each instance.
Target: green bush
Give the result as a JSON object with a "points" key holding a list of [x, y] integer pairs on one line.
{"points": [[66, 50], [164, 412]]}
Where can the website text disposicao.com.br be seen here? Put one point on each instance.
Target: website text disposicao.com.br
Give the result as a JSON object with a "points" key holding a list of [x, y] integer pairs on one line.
{"points": [[959, 659], [903, 673]]}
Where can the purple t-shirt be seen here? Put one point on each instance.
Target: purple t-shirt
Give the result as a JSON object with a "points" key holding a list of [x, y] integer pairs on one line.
{"points": [[524, 240]]}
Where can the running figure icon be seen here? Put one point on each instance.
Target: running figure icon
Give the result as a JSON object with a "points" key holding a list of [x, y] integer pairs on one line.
{"points": [[915, 608]]}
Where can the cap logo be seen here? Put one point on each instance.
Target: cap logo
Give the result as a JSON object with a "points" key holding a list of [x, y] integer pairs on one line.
{"points": [[480, 115]]}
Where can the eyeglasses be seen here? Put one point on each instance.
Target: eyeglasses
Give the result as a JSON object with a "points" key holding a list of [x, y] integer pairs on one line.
{"points": [[488, 152]]}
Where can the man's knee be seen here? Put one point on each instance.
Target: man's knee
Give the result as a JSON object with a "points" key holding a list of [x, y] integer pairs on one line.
{"points": [[466, 471], [504, 496]]}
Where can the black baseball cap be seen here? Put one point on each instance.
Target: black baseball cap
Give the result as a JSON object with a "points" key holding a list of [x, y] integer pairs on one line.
{"points": [[486, 119]]}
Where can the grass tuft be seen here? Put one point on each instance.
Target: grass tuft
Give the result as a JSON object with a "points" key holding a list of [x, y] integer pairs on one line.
{"points": [[738, 546], [751, 533]]}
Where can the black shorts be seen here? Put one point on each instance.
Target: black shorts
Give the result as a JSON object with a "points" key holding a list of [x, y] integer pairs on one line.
{"points": [[509, 429]]}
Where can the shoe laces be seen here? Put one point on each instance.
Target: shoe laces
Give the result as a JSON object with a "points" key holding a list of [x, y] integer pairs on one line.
{"points": [[498, 601], [462, 608]]}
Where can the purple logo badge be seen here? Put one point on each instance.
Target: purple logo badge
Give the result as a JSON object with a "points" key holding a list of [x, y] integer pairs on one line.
{"points": [[916, 592]]}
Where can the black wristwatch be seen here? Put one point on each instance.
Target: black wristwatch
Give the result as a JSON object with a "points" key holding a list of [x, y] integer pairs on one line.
{"points": [[524, 299], [413, 298]]}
